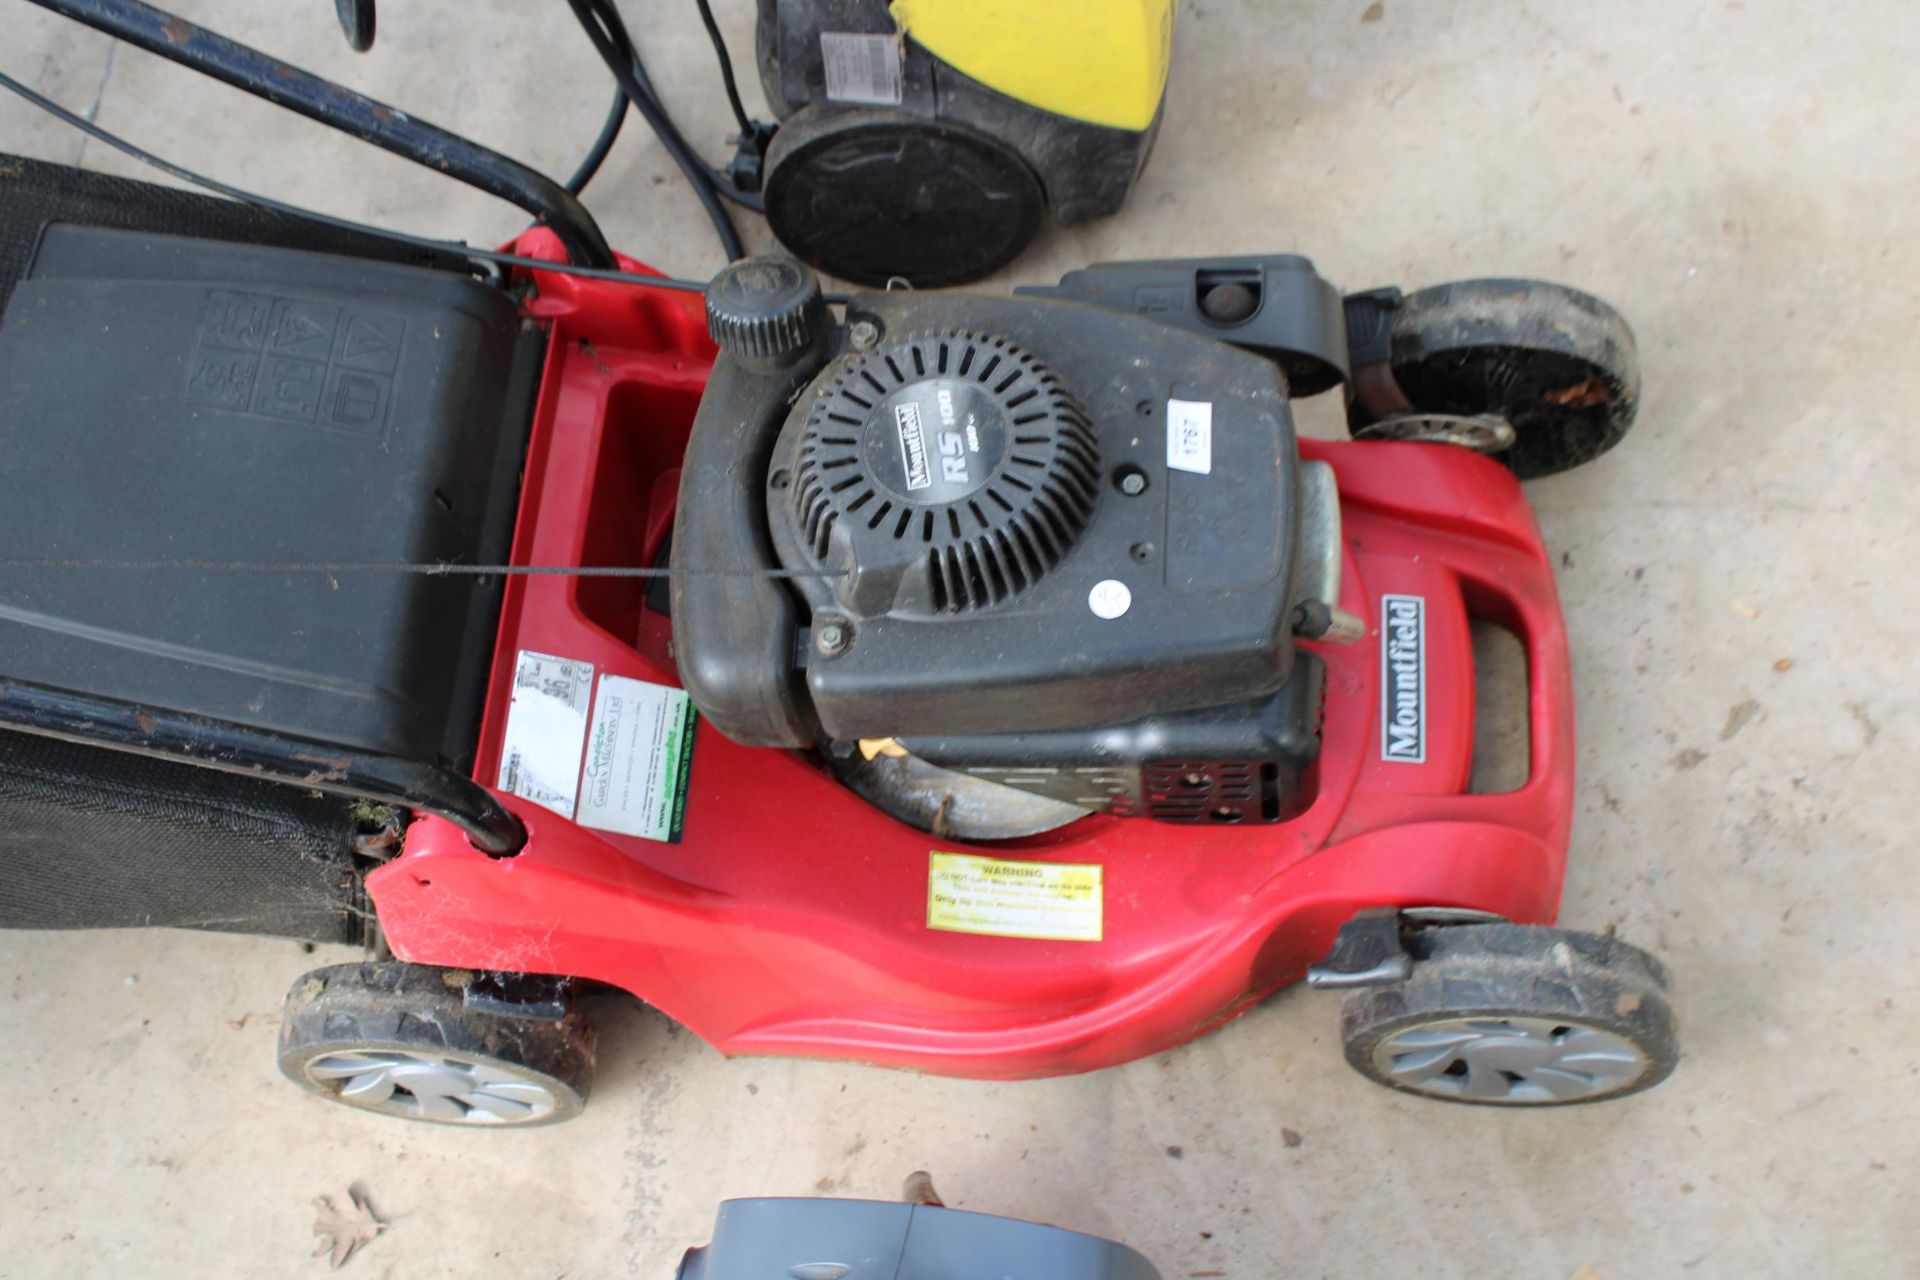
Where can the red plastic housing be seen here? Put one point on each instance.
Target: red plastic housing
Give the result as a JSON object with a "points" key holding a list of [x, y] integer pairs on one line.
{"points": [[791, 918]]}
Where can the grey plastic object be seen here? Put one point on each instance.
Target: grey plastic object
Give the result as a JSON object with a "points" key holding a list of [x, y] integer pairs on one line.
{"points": [[1287, 310], [802, 1239]]}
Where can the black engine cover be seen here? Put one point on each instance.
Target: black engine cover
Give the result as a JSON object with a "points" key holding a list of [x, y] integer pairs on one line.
{"points": [[1007, 540]]}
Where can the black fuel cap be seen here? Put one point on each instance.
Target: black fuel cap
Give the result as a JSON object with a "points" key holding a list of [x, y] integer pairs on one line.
{"points": [[766, 308]]}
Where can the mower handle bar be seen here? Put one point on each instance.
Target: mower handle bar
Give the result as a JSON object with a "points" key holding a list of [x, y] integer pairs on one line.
{"points": [[337, 107]]}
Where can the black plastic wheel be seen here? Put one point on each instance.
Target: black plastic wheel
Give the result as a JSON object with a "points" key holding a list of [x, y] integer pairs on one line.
{"points": [[1560, 365], [1515, 1015], [398, 1039]]}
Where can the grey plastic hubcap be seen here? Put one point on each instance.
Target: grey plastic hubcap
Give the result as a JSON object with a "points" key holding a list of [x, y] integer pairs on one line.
{"points": [[1509, 1060], [1485, 433], [426, 1086]]}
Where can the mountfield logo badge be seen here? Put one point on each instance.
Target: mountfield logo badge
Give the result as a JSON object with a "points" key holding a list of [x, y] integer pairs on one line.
{"points": [[913, 445], [1403, 679]]}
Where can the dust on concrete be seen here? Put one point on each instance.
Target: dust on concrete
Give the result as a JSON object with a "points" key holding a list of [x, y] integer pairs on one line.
{"points": [[1738, 717], [1868, 725]]}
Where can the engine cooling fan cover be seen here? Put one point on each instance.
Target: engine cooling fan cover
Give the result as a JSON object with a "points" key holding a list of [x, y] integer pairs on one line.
{"points": [[941, 473]]}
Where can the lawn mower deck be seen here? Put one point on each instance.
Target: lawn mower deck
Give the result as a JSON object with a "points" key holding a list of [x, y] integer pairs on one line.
{"points": [[790, 916]]}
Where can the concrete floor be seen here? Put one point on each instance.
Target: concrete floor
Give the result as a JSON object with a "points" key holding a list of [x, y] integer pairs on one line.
{"points": [[1738, 177]]}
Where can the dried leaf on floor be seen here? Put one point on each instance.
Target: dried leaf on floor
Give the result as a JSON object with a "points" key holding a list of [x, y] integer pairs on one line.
{"points": [[345, 1224]]}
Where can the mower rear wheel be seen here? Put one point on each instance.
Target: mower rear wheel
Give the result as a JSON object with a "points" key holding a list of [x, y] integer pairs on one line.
{"points": [[1558, 365], [1513, 1015], [398, 1039]]}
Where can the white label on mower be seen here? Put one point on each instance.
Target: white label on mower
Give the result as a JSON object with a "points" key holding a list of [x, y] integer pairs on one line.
{"points": [[861, 68], [638, 758], [546, 730], [1010, 898], [1190, 436], [1403, 679]]}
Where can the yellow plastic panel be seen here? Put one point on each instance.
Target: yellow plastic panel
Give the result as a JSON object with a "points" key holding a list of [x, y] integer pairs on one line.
{"points": [[1102, 61]]}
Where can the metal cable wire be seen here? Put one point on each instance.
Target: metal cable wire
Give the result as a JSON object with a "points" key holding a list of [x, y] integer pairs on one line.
{"points": [[602, 144], [599, 20], [726, 65]]}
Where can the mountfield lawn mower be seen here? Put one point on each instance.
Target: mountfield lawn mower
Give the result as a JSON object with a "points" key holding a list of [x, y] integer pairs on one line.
{"points": [[991, 686]]}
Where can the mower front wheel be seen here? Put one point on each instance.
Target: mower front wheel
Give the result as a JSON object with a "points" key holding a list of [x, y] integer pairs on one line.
{"points": [[399, 1039], [1542, 376], [1513, 1015]]}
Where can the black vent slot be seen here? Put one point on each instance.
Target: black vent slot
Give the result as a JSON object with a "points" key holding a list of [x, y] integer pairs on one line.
{"points": [[1212, 791]]}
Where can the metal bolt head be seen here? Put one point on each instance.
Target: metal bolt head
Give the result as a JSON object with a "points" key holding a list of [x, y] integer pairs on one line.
{"points": [[831, 638], [1133, 484], [862, 334]]}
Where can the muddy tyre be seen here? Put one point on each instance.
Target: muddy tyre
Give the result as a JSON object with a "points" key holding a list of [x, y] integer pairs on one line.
{"points": [[398, 1039]]}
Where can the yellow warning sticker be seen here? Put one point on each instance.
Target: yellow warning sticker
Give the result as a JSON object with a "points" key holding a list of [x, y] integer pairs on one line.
{"points": [[1060, 901]]}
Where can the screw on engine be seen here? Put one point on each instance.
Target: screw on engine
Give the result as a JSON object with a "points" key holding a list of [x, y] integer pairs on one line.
{"points": [[832, 638]]}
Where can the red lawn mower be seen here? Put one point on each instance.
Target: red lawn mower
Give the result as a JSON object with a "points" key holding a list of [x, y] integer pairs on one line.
{"points": [[991, 686]]}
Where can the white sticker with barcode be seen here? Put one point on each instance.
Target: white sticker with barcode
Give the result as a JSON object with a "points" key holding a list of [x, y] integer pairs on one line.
{"points": [[546, 730], [861, 68], [1190, 436]]}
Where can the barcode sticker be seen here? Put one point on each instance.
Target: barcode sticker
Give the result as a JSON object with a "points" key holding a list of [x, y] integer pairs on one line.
{"points": [[1190, 436], [861, 68], [546, 733]]}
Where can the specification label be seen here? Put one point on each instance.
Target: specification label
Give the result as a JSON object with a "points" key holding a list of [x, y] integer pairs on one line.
{"points": [[639, 755], [861, 68]]}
